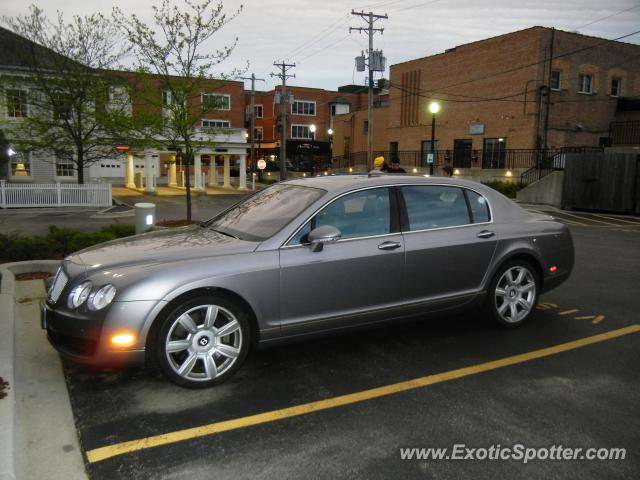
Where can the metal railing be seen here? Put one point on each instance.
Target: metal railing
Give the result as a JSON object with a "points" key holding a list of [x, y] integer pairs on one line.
{"points": [[506, 159], [21, 195], [550, 161]]}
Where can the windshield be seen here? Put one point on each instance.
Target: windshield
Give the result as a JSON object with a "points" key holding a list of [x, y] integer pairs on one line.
{"points": [[265, 213]]}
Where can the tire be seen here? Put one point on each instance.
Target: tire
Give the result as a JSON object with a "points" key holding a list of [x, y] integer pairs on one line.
{"points": [[513, 294], [202, 342]]}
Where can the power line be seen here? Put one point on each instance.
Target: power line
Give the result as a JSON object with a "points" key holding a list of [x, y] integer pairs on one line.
{"points": [[608, 16]]}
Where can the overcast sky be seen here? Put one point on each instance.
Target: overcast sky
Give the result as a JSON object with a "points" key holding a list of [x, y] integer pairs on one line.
{"points": [[315, 34]]}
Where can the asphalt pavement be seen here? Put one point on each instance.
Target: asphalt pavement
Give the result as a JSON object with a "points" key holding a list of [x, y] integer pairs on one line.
{"points": [[270, 421], [344, 407]]}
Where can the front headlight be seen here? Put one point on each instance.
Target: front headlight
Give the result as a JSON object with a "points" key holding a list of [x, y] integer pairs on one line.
{"points": [[101, 297], [79, 294]]}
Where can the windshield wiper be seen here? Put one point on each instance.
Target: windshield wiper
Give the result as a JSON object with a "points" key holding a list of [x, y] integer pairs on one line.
{"points": [[225, 233]]}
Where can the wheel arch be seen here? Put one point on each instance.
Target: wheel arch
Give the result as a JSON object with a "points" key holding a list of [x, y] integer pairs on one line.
{"points": [[528, 256], [197, 292]]}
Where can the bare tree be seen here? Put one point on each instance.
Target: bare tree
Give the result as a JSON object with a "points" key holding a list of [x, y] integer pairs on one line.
{"points": [[67, 85], [172, 69]]}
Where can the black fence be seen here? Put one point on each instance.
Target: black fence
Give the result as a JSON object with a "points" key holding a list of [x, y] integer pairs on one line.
{"points": [[505, 159]]}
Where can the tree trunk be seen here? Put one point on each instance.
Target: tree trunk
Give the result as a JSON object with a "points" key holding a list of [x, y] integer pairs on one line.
{"points": [[187, 180]]}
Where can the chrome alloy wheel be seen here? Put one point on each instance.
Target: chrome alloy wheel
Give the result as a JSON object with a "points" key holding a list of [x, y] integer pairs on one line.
{"points": [[203, 343], [515, 294]]}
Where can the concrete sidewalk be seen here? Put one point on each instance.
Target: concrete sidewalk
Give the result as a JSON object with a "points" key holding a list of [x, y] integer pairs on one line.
{"points": [[38, 438]]}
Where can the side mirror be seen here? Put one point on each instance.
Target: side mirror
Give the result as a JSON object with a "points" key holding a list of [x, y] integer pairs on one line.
{"points": [[321, 235]]}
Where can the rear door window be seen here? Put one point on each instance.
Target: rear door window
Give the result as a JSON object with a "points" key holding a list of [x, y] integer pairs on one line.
{"points": [[430, 207]]}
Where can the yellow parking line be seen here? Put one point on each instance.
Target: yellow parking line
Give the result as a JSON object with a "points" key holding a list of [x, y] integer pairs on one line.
{"points": [[103, 453], [589, 218], [567, 312], [571, 222], [617, 219]]}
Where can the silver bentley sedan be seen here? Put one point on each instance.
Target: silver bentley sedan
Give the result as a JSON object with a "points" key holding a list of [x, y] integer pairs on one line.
{"points": [[300, 258]]}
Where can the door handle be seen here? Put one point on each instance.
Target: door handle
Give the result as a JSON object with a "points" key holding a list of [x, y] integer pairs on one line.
{"points": [[485, 234], [389, 246]]}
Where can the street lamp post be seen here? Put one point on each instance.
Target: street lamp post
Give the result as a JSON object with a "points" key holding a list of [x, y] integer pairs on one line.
{"points": [[330, 133], [434, 107], [312, 130]]}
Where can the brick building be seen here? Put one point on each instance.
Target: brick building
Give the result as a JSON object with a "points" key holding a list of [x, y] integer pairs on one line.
{"points": [[306, 107], [501, 99]]}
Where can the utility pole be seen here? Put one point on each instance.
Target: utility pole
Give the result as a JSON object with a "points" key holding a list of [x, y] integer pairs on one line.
{"points": [[370, 18], [253, 120], [284, 68]]}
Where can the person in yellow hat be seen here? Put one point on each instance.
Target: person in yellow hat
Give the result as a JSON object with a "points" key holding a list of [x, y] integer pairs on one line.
{"points": [[379, 165]]}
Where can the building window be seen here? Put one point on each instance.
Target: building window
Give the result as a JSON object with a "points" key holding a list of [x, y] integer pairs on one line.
{"points": [[169, 98], [257, 133], [257, 109], [21, 164], [494, 154], [64, 167], [61, 107], [616, 87], [585, 83], [216, 101], [300, 131], [366, 126], [555, 80], [216, 123], [301, 107], [17, 103]]}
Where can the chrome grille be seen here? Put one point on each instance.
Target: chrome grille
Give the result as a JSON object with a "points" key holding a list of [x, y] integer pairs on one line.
{"points": [[59, 282]]}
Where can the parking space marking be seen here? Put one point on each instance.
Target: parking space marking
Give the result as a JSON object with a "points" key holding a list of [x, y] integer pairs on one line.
{"points": [[617, 219], [594, 318], [590, 219], [569, 312], [103, 453], [571, 222]]}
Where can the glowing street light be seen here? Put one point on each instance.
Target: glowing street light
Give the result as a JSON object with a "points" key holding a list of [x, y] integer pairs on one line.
{"points": [[434, 107]]}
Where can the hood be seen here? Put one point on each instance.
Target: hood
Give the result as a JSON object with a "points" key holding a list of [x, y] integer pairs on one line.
{"points": [[158, 247]]}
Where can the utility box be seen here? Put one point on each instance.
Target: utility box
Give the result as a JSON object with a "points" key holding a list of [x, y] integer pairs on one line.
{"points": [[145, 216]]}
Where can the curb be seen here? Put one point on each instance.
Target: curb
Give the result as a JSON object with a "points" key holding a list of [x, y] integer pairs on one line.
{"points": [[7, 356]]}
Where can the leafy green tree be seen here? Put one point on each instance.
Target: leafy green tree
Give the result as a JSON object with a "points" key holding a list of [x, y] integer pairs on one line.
{"points": [[69, 88], [173, 67]]}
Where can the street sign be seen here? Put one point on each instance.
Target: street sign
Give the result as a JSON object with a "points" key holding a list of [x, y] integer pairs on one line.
{"points": [[262, 164], [429, 157]]}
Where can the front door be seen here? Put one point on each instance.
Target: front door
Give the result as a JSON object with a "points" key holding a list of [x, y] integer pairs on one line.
{"points": [[361, 273], [462, 153]]}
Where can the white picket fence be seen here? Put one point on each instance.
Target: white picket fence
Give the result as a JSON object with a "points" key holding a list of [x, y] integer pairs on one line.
{"points": [[20, 195]]}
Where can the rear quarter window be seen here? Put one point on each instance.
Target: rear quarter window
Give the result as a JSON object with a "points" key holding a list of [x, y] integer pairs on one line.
{"points": [[479, 207]]}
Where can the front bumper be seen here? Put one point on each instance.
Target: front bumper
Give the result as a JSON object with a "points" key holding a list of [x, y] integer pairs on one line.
{"points": [[84, 340]]}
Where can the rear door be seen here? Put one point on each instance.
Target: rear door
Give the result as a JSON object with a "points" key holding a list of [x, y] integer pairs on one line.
{"points": [[449, 242]]}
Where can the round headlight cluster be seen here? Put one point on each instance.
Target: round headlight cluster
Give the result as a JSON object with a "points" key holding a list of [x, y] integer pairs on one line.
{"points": [[96, 299], [101, 297], [79, 294]]}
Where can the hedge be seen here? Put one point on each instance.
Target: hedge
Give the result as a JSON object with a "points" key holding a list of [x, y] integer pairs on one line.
{"points": [[57, 243]]}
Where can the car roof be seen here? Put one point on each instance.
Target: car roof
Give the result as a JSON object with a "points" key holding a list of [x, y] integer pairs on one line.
{"points": [[343, 183]]}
